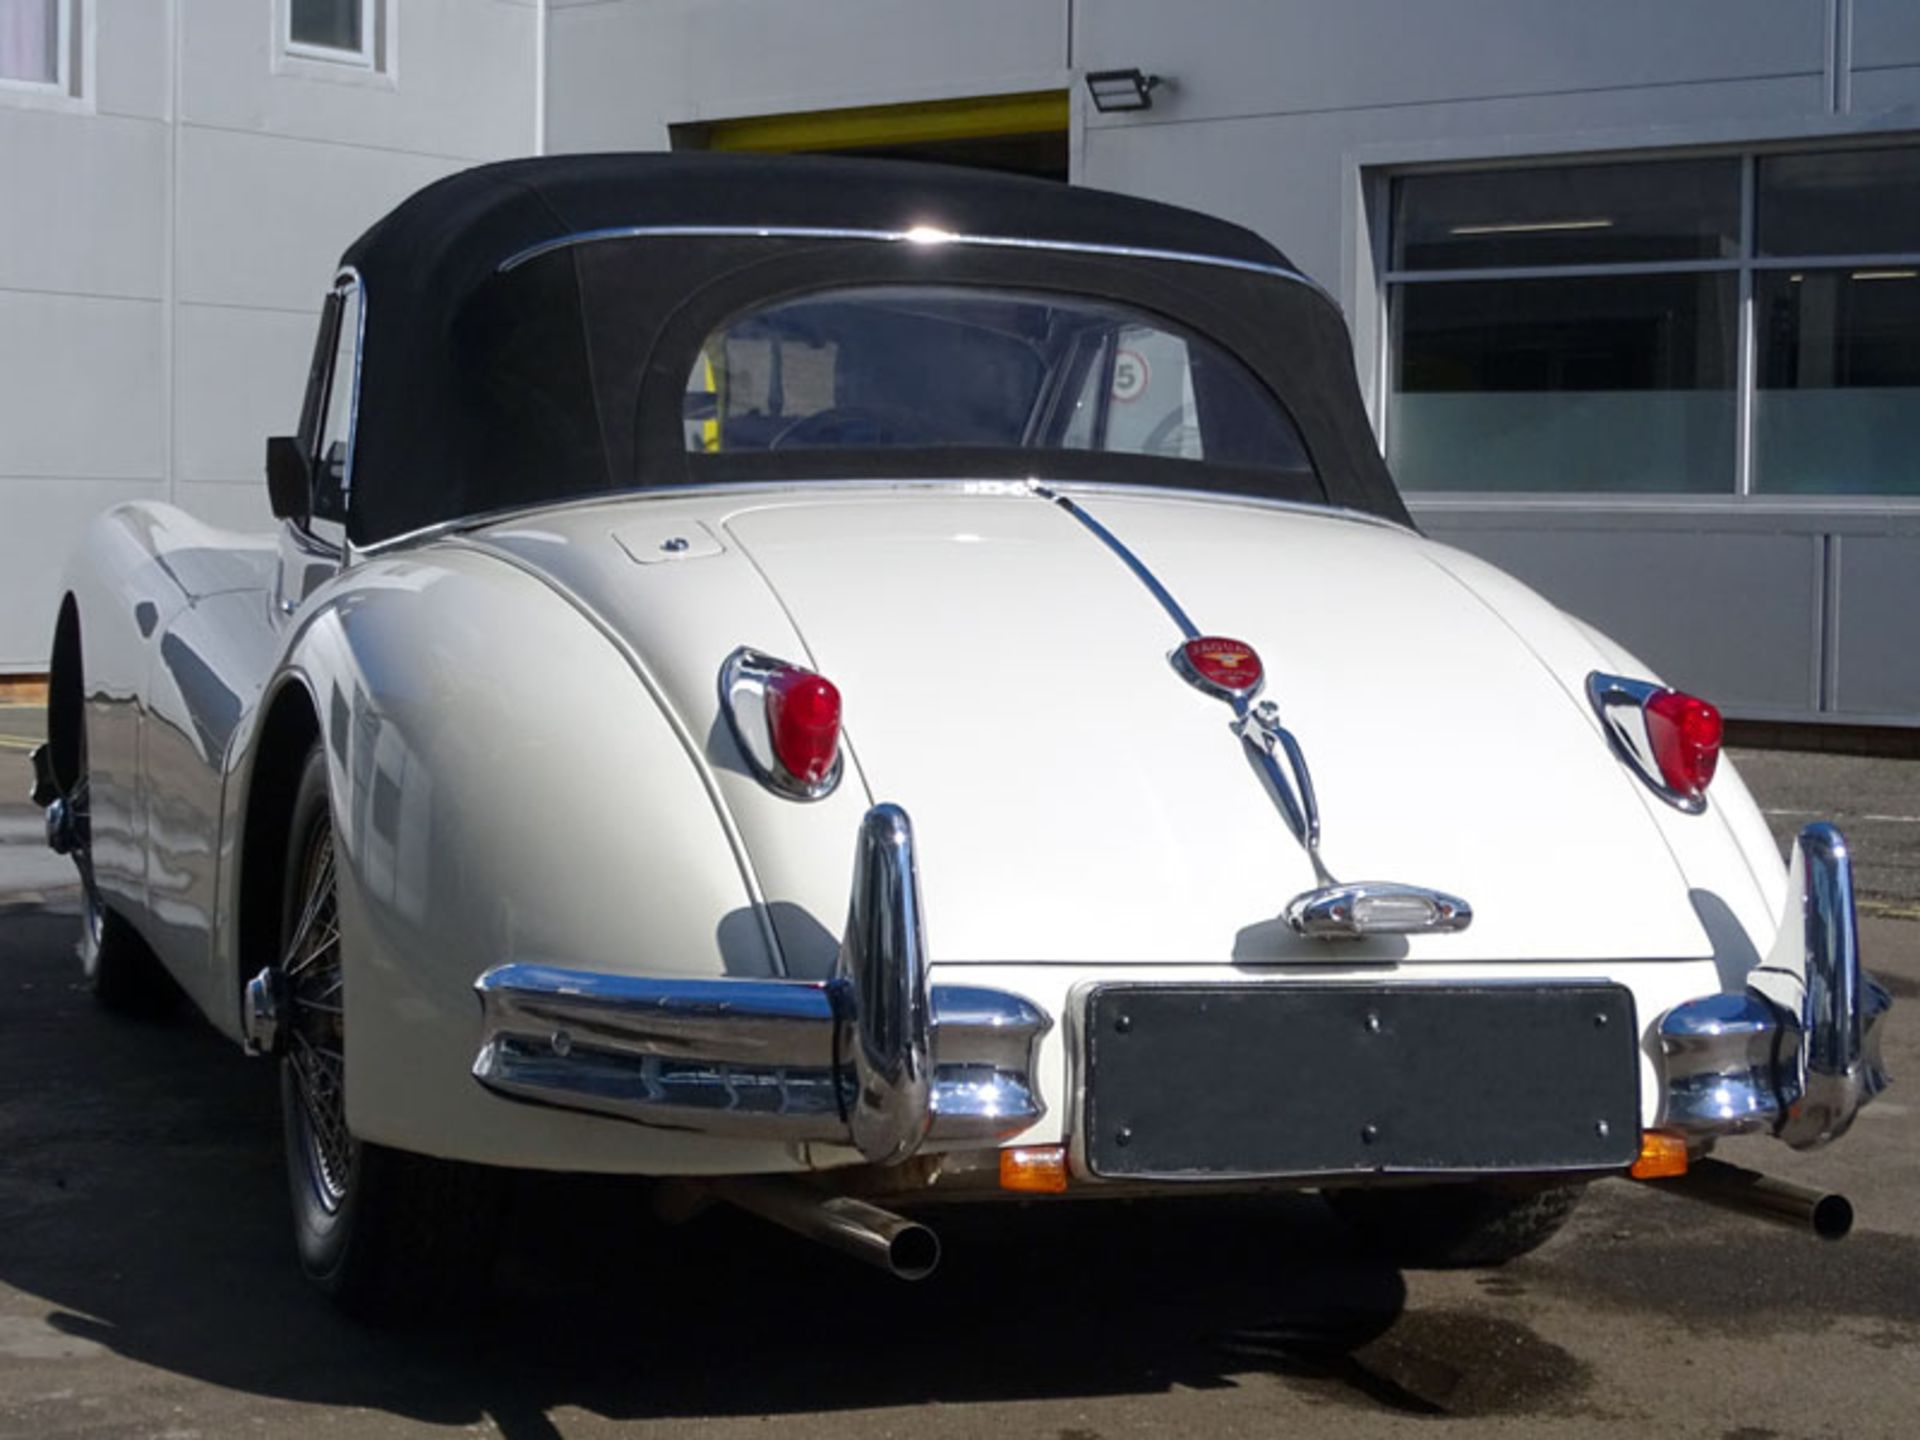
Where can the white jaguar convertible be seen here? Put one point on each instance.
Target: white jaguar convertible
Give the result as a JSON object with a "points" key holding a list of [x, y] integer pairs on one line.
{"points": [[840, 686]]}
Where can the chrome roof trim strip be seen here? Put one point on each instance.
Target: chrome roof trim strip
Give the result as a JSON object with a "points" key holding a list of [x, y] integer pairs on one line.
{"points": [[919, 236]]}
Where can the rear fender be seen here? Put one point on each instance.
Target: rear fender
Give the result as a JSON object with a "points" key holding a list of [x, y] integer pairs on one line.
{"points": [[504, 788], [1735, 876], [165, 638]]}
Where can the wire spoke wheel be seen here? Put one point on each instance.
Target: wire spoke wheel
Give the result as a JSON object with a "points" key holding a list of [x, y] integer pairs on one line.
{"points": [[383, 1232], [316, 1042]]}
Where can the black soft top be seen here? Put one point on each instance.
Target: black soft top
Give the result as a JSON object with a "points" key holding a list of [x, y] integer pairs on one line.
{"points": [[433, 265], [457, 230]]}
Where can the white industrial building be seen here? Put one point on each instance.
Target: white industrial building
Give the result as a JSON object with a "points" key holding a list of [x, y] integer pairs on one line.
{"points": [[1635, 286]]}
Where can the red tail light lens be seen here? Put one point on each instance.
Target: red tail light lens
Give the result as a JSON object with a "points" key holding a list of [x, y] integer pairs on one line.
{"points": [[1684, 731], [803, 719]]}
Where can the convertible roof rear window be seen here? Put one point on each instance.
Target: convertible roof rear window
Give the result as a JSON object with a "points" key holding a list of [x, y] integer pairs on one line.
{"points": [[913, 367], [532, 328]]}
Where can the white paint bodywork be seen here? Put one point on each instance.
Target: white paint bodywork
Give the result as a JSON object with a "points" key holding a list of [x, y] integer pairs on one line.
{"points": [[528, 763]]}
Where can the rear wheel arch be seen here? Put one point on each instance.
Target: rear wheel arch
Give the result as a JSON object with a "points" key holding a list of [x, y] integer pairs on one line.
{"points": [[288, 728]]}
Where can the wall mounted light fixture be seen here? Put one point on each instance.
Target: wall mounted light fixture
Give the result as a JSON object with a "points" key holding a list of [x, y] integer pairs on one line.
{"points": [[1121, 89]]}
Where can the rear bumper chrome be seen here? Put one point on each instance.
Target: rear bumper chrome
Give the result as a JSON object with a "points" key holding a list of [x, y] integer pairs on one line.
{"points": [[1797, 1054], [879, 1059], [875, 1057]]}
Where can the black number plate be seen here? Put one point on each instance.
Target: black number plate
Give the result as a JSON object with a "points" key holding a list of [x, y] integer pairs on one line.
{"points": [[1197, 1082]]}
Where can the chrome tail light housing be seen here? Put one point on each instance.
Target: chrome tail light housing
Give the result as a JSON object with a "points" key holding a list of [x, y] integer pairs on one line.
{"points": [[1670, 739], [786, 720]]}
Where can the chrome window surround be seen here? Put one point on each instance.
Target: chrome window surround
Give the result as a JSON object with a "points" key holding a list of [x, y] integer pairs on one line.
{"points": [[875, 1057], [346, 281], [744, 676], [918, 235], [1797, 1052], [349, 280], [1620, 704]]}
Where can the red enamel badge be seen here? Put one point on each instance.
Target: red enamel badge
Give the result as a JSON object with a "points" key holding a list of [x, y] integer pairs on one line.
{"points": [[1227, 668]]}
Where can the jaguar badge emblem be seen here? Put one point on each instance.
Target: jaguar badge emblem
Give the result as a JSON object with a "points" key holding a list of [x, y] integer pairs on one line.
{"points": [[1225, 669]]}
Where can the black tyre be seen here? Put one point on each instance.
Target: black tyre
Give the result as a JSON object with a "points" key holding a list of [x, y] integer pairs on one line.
{"points": [[1454, 1227], [122, 974], [384, 1233]]}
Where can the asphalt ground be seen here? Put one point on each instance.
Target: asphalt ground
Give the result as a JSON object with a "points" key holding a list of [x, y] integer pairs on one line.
{"points": [[147, 1286], [1876, 802]]}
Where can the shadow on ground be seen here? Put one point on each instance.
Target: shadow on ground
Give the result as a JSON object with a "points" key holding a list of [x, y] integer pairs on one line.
{"points": [[141, 1212], [140, 1202]]}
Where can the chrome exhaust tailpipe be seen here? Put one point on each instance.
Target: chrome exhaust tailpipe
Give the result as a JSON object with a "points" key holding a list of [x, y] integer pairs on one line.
{"points": [[896, 1244], [1733, 1187]]}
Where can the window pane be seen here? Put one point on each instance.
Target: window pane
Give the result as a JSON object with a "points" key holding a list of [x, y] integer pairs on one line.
{"points": [[334, 24], [1568, 215], [30, 40], [1838, 408], [1149, 410], [1854, 202], [908, 367], [1620, 384]]}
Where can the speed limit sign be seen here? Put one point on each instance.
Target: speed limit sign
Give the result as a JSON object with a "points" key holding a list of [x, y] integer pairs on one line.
{"points": [[1130, 375]]}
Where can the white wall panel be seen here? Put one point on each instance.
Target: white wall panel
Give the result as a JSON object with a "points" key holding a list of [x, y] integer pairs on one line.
{"points": [[623, 69], [220, 225], [1877, 92], [232, 505], [82, 203], [41, 521], [262, 220], [239, 376], [1876, 662], [1731, 616], [133, 52], [80, 387], [1230, 57], [1885, 32], [461, 79]]}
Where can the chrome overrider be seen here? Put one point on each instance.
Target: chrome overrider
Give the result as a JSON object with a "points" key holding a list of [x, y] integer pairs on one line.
{"points": [[875, 1057], [1798, 1052]]}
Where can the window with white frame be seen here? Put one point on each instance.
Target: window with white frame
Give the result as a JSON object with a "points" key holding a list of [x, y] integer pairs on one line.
{"points": [[344, 31], [1724, 324], [34, 40]]}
